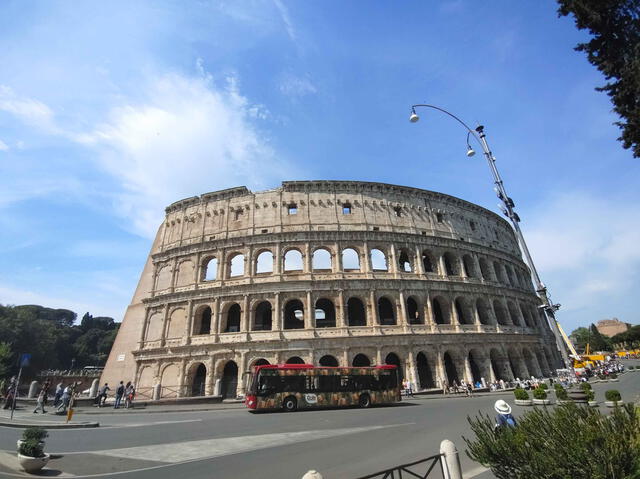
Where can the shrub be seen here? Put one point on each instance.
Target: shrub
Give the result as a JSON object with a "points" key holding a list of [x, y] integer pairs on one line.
{"points": [[520, 393], [34, 433], [570, 441], [613, 376], [539, 393], [585, 386], [557, 386], [631, 367], [591, 396], [562, 394], [543, 386], [612, 395], [31, 448]]}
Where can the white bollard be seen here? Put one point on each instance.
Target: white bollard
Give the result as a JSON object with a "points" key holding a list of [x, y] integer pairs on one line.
{"points": [[93, 391], [312, 475], [217, 388], [450, 460], [156, 392], [33, 389]]}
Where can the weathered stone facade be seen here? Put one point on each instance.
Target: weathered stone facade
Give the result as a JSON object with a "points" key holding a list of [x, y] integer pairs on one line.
{"points": [[611, 327], [333, 273]]}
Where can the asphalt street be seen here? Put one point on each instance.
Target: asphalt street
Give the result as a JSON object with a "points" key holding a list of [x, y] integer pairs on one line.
{"points": [[234, 443]]}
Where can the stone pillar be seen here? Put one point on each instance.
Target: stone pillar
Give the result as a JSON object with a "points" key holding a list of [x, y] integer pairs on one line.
{"points": [[208, 383], [412, 372], [188, 324], [144, 328], [157, 389], [455, 320], [393, 262], [428, 311], [242, 366], [365, 265], [461, 266], [379, 357], [165, 324], [404, 321], [441, 266], [277, 260], [418, 267], [442, 374], [306, 259], [219, 316], [310, 315], [372, 313], [277, 314], [244, 322], [341, 317], [467, 370], [338, 262]]}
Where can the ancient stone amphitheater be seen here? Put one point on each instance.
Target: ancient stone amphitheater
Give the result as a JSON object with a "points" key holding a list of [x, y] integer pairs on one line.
{"points": [[330, 273]]}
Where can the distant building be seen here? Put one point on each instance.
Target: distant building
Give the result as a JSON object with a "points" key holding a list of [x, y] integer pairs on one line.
{"points": [[611, 327]]}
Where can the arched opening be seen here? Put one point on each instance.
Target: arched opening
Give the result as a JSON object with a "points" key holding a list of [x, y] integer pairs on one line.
{"points": [[295, 360], [425, 377], [450, 370], [500, 312], [293, 260], [404, 261], [517, 365], [229, 383], [203, 321], [428, 262], [325, 314], [392, 359], [469, 266], [386, 313], [294, 314], [356, 314], [321, 260], [464, 315], [233, 319], [474, 365], [360, 361], [497, 269], [510, 275], [530, 363], [413, 311], [526, 315], [263, 320], [378, 260], [350, 260], [328, 361], [264, 263], [485, 271], [451, 265], [236, 265], [513, 314], [542, 361], [199, 379], [483, 311], [499, 366], [261, 362], [211, 270], [440, 311]]}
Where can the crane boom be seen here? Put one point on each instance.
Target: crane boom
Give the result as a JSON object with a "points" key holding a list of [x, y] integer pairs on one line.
{"points": [[568, 342]]}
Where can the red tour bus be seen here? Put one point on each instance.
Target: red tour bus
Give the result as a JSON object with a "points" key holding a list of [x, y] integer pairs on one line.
{"points": [[302, 386]]}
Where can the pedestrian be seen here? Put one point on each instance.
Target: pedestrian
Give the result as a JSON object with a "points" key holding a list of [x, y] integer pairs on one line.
{"points": [[129, 394], [66, 397], [102, 394], [469, 390], [119, 394], [445, 388], [40, 402], [46, 387], [10, 394], [504, 418], [58, 395]]}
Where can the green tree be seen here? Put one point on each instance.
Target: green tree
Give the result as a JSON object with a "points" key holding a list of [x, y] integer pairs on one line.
{"points": [[614, 50], [599, 342], [580, 337], [6, 358]]}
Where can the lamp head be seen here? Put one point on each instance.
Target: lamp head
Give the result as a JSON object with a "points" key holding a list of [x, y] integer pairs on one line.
{"points": [[414, 116], [471, 152]]}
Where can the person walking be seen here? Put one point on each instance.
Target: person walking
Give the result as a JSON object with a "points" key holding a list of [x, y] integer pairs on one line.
{"points": [[58, 395], [469, 390], [40, 402], [504, 417], [46, 387], [66, 397], [129, 394], [102, 394], [11, 392], [119, 394]]}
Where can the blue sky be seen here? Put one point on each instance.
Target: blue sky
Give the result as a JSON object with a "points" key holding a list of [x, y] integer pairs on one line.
{"points": [[109, 111]]}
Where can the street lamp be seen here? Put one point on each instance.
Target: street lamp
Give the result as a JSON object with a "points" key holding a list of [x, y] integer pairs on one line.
{"points": [[507, 207]]}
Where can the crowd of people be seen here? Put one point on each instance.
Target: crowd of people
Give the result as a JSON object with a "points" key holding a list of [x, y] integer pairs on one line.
{"points": [[126, 393]]}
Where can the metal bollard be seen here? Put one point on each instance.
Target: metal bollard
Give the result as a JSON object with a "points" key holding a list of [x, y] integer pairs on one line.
{"points": [[33, 389], [312, 475], [450, 460]]}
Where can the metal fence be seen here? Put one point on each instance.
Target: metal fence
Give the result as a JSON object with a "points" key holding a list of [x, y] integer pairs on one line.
{"points": [[420, 469]]}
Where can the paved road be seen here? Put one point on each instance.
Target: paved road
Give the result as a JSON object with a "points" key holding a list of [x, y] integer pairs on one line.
{"points": [[340, 443]]}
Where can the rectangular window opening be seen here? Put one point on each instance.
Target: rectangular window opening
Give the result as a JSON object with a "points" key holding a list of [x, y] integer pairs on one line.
{"points": [[439, 217], [398, 211], [238, 214], [293, 209], [346, 209]]}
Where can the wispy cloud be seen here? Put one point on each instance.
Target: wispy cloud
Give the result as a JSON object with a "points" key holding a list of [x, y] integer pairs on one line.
{"points": [[3, 146], [286, 19], [28, 110], [296, 86]]}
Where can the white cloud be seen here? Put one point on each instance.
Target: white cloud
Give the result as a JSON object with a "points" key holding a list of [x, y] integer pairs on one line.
{"points": [[29, 111], [187, 137], [286, 19], [295, 86], [586, 248], [3, 146]]}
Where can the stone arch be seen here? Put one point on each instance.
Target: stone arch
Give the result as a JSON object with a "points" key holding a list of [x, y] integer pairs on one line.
{"points": [[463, 311], [356, 312], [517, 364], [440, 308], [350, 259], [145, 378], [469, 266], [185, 273], [429, 264], [484, 311], [510, 275], [169, 379], [229, 380], [405, 264], [500, 312], [378, 260], [530, 361], [500, 365], [386, 311], [202, 320], [513, 314], [163, 277], [451, 265], [425, 372], [293, 314], [154, 327], [478, 366], [264, 262], [450, 369], [177, 323], [295, 360], [259, 362], [263, 317], [233, 316], [236, 265], [526, 315], [393, 359], [325, 313], [210, 269], [499, 272], [321, 260], [414, 312], [197, 378], [361, 360], [544, 364], [293, 260], [485, 270], [328, 361]]}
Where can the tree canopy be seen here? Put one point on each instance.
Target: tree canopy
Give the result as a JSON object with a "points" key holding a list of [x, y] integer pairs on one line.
{"points": [[628, 339], [614, 50], [597, 341]]}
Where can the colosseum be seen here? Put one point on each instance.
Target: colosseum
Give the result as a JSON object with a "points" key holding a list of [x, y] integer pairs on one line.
{"points": [[330, 273]]}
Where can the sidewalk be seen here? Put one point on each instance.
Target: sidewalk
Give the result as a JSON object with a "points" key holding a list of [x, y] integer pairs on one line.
{"points": [[24, 417]]}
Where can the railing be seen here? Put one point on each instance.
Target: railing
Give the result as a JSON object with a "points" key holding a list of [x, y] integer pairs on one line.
{"points": [[144, 393], [398, 472]]}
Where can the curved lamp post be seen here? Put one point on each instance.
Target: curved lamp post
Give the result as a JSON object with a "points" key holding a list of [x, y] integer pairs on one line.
{"points": [[507, 208]]}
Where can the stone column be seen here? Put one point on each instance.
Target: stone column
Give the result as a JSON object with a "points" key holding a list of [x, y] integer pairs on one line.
{"points": [[441, 265], [412, 372], [463, 270], [208, 383], [219, 316], [442, 374], [455, 320], [418, 267], [467, 369], [214, 318], [277, 260], [244, 324], [393, 261], [182, 376], [372, 313], [165, 324], [306, 259], [341, 317], [144, 328], [277, 314], [365, 265], [188, 324], [404, 321], [310, 316], [242, 366]]}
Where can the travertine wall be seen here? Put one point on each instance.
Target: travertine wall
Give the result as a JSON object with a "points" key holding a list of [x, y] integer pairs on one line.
{"points": [[390, 273]]}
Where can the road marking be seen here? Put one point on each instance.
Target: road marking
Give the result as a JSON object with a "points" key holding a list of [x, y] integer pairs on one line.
{"points": [[209, 448], [143, 424]]}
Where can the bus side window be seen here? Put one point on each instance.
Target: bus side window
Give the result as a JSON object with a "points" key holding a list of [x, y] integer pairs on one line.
{"points": [[312, 384], [328, 384], [293, 383]]}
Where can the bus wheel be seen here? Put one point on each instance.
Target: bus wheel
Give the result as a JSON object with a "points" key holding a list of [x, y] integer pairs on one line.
{"points": [[290, 404], [364, 401]]}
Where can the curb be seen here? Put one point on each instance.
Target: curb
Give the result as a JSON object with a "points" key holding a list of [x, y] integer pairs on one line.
{"points": [[78, 425], [163, 411]]}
